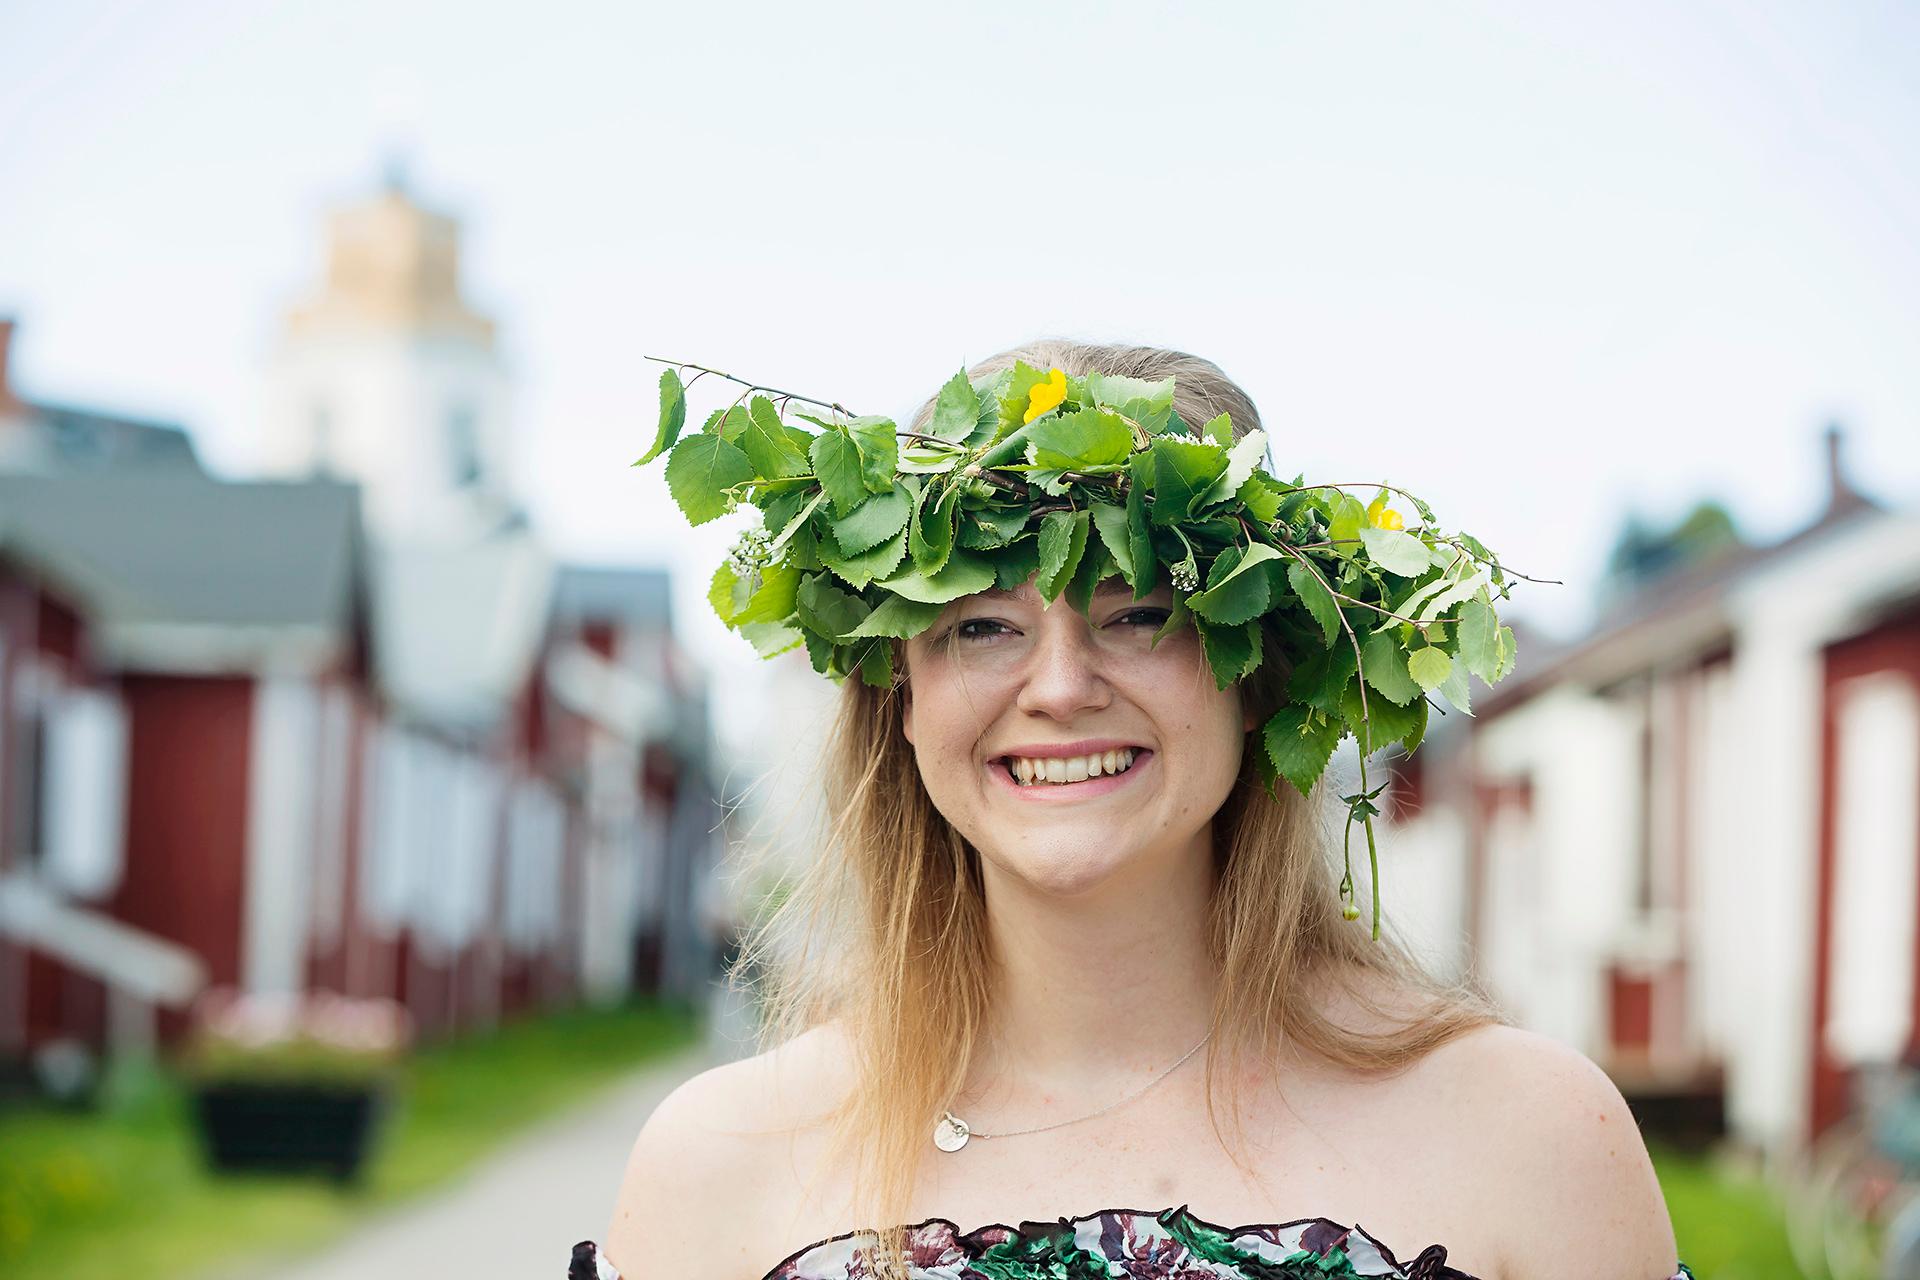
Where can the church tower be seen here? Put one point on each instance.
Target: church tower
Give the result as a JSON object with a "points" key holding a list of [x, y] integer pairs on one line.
{"points": [[388, 378]]}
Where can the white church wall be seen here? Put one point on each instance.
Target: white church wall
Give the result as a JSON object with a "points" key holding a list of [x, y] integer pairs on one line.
{"points": [[380, 408]]}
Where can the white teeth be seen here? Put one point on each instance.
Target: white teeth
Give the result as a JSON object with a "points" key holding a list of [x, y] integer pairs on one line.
{"points": [[1062, 770]]}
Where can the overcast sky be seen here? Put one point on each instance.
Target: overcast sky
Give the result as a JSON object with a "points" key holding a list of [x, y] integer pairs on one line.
{"points": [[1536, 263]]}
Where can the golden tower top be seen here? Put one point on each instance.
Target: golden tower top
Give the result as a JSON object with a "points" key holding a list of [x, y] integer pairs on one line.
{"points": [[394, 266]]}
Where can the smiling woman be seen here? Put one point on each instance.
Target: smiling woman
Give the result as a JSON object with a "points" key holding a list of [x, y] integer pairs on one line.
{"points": [[1008, 676], [1057, 866]]}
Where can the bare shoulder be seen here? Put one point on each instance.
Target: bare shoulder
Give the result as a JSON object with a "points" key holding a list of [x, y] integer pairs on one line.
{"points": [[1566, 1171], [708, 1157]]}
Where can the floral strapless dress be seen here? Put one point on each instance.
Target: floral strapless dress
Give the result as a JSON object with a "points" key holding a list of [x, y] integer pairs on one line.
{"points": [[1109, 1244]]}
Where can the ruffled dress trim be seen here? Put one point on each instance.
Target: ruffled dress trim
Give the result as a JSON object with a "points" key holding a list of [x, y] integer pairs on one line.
{"points": [[1108, 1244]]}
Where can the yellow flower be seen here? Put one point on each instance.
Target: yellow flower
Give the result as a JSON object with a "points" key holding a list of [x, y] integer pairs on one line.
{"points": [[1382, 516], [1046, 395]]}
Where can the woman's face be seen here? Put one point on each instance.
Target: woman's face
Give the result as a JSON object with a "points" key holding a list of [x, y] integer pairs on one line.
{"points": [[1022, 678]]}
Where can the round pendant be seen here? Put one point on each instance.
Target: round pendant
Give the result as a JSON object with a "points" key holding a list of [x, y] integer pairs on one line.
{"points": [[950, 1132]]}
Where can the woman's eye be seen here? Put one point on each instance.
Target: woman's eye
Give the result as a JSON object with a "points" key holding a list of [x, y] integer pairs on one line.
{"points": [[1132, 617]]}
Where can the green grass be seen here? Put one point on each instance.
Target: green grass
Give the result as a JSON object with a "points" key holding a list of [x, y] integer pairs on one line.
{"points": [[123, 1191], [1729, 1223]]}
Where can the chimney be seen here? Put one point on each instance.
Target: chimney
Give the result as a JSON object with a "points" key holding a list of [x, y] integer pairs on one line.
{"points": [[1842, 497], [10, 404]]}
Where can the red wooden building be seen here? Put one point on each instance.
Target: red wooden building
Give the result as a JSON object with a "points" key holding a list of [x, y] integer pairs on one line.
{"points": [[238, 745]]}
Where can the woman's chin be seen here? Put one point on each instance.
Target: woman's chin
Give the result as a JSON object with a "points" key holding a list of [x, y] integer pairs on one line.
{"points": [[1069, 869]]}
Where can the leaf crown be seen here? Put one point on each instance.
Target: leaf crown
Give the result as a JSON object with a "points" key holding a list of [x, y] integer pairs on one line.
{"points": [[868, 531]]}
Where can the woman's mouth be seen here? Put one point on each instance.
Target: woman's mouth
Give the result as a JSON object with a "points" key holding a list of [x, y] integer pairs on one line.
{"points": [[1069, 777]]}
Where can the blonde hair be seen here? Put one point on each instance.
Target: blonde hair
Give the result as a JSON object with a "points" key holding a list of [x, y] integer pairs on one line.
{"points": [[884, 931]]}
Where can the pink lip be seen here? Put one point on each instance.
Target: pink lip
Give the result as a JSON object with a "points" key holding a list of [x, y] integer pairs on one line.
{"points": [[1060, 793]]}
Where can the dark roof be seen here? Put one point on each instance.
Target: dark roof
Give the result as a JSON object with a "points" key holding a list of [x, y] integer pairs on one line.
{"points": [[594, 593], [177, 546], [72, 438], [1684, 604]]}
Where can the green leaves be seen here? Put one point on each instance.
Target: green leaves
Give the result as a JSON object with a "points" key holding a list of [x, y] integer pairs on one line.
{"points": [[1177, 617], [827, 610], [1063, 539], [1076, 441], [1261, 495], [868, 538], [1141, 570], [772, 600], [1317, 597], [1299, 742], [963, 574], [899, 617], [1242, 457], [876, 562], [700, 470], [874, 521], [991, 527], [1430, 666], [1111, 522], [1384, 661], [879, 449], [956, 411], [1182, 473], [1343, 530], [1233, 652], [673, 415], [931, 539], [1322, 676], [766, 442], [1243, 592], [1395, 551], [836, 461], [1479, 640], [1381, 722], [1148, 403]]}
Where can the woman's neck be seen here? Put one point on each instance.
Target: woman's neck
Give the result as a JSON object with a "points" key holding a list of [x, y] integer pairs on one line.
{"points": [[1097, 993]]}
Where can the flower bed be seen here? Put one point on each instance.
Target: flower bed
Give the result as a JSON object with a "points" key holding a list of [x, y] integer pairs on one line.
{"points": [[292, 1084]]}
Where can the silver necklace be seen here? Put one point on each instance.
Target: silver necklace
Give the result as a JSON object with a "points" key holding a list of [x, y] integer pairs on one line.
{"points": [[950, 1132]]}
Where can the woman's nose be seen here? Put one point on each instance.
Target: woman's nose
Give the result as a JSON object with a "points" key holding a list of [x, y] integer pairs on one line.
{"points": [[1064, 676]]}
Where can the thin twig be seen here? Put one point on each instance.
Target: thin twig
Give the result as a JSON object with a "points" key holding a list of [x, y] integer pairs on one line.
{"points": [[1353, 484], [752, 387], [1454, 540]]}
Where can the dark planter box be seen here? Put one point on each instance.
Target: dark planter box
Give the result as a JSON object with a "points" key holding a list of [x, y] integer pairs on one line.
{"points": [[289, 1128]]}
